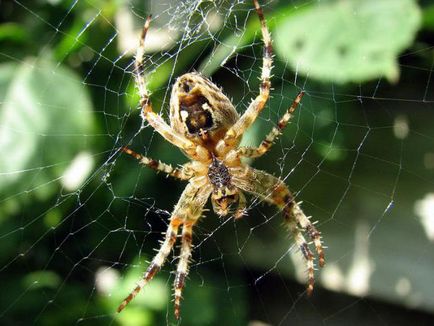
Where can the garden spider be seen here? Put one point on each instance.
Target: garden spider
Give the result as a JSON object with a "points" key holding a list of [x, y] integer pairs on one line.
{"points": [[206, 127]]}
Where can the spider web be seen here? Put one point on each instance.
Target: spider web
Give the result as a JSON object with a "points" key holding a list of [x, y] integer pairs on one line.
{"points": [[79, 220]]}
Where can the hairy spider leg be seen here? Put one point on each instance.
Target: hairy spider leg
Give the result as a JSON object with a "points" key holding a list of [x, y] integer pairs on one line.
{"points": [[250, 115], [192, 210], [273, 134], [182, 270], [157, 261], [242, 204], [294, 216], [155, 120], [189, 208], [310, 229], [178, 173], [274, 191]]}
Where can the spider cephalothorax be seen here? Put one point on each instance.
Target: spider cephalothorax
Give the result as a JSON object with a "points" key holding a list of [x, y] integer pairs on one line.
{"points": [[225, 196], [206, 127]]}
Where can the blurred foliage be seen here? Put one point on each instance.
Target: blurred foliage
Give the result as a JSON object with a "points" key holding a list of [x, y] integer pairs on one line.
{"points": [[23, 119], [349, 41], [65, 90], [428, 17]]}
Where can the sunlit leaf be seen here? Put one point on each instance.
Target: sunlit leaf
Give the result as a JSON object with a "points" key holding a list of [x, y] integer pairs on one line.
{"points": [[349, 41], [155, 296], [46, 115]]}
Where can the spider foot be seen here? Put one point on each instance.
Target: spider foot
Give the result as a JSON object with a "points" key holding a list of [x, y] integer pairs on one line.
{"points": [[179, 285], [150, 273], [309, 257], [300, 225], [309, 227]]}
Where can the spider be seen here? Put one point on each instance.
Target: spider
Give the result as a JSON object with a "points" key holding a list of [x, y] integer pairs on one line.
{"points": [[206, 127]]}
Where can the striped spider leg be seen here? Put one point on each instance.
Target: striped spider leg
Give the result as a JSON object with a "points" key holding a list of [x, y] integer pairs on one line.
{"points": [[234, 134], [155, 120], [274, 191], [182, 173], [273, 134], [186, 213]]}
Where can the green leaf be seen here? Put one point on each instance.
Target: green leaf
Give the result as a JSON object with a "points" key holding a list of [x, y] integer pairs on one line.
{"points": [[428, 17], [13, 32], [41, 279], [45, 120], [349, 41], [72, 40]]}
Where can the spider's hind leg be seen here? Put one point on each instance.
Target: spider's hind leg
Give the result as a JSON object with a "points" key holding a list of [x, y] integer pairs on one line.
{"points": [[138, 68]]}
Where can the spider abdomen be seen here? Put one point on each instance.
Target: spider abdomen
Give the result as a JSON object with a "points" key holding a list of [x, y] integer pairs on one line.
{"points": [[200, 111], [194, 110]]}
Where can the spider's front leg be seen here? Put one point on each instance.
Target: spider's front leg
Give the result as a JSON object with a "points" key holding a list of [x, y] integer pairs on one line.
{"points": [[187, 211], [273, 134], [274, 191], [257, 105], [148, 114], [241, 209]]}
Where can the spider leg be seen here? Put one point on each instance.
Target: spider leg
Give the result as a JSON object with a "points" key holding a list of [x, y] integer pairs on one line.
{"points": [[249, 116], [192, 209], [242, 203], [182, 270], [274, 191], [189, 207], [157, 261], [180, 173], [273, 134], [295, 217], [155, 120], [310, 228]]}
